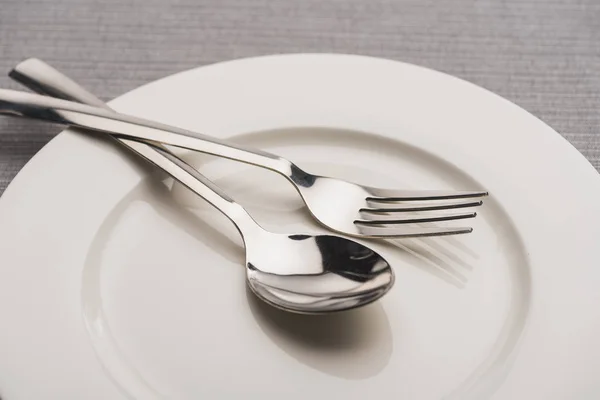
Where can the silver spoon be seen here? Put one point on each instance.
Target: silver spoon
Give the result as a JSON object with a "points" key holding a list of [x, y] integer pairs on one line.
{"points": [[299, 273]]}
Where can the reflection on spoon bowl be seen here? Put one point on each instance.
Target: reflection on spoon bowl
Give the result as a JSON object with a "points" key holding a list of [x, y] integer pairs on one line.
{"points": [[328, 273]]}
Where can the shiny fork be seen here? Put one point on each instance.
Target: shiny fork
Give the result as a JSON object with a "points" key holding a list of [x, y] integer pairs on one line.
{"points": [[342, 206]]}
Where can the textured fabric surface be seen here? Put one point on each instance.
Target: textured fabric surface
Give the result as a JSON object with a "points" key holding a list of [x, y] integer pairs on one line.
{"points": [[541, 54]]}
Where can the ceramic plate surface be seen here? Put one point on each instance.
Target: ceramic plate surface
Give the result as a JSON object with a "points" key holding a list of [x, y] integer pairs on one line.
{"points": [[116, 283]]}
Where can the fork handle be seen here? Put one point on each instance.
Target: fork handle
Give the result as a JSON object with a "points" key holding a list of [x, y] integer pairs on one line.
{"points": [[45, 79], [42, 78], [28, 105]]}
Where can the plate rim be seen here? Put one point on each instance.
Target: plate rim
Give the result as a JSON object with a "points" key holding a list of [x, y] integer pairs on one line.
{"points": [[55, 143]]}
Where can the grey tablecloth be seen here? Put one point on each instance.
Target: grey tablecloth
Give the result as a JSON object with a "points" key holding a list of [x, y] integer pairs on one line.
{"points": [[542, 54]]}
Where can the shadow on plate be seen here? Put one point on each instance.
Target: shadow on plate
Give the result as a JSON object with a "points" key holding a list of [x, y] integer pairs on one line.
{"points": [[436, 257], [354, 344]]}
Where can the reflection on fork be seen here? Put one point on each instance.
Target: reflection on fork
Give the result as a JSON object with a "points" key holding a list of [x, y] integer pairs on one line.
{"points": [[445, 257]]}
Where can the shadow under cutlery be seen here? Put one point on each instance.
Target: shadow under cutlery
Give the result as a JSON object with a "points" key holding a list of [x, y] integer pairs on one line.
{"points": [[355, 344]]}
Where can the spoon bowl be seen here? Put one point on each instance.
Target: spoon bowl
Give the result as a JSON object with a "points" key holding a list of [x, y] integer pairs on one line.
{"points": [[316, 274]]}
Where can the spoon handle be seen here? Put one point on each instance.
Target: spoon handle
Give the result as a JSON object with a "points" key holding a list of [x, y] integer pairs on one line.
{"points": [[197, 183], [45, 79]]}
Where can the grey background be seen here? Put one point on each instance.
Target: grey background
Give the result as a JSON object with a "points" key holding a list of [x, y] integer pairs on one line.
{"points": [[541, 54]]}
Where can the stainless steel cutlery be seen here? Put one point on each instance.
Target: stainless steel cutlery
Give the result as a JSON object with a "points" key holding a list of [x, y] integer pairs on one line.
{"points": [[295, 272]]}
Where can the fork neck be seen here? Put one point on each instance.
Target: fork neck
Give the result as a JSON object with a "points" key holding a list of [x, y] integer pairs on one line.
{"points": [[292, 172]]}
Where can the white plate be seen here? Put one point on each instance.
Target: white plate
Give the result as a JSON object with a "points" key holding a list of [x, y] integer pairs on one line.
{"points": [[117, 284]]}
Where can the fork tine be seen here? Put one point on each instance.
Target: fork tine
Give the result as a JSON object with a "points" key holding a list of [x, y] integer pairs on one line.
{"points": [[387, 195], [379, 219], [379, 231], [386, 207]]}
